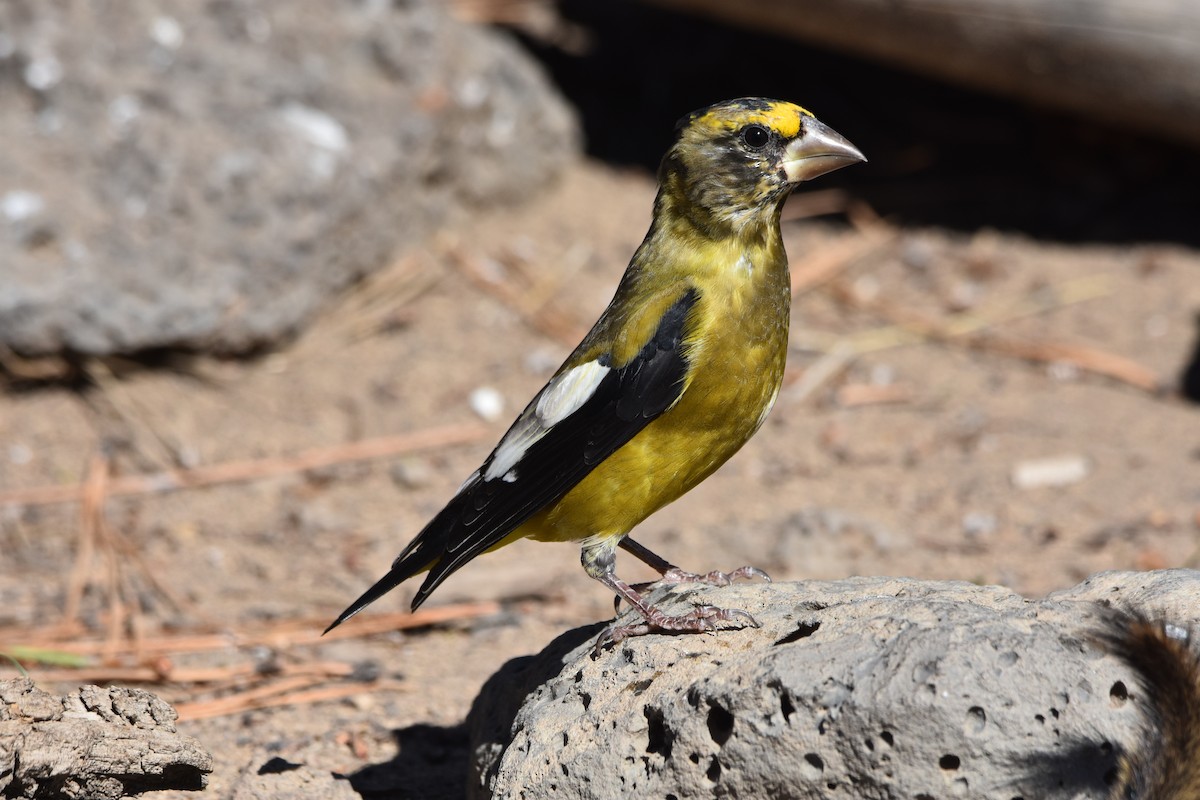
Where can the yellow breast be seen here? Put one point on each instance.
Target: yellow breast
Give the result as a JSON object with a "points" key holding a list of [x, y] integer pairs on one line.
{"points": [[736, 348]]}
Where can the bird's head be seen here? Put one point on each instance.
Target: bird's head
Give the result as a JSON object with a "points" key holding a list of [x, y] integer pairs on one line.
{"points": [[735, 162]]}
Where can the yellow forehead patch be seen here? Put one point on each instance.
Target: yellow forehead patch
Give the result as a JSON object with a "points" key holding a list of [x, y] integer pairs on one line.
{"points": [[781, 117]]}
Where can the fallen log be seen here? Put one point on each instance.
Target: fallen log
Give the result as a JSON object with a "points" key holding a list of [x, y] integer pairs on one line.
{"points": [[1131, 62]]}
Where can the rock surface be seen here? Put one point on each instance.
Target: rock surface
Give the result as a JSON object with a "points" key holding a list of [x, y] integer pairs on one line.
{"points": [[205, 175], [100, 744], [868, 687], [275, 778]]}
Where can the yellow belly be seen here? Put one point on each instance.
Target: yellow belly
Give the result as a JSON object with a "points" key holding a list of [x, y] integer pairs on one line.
{"points": [[735, 379]]}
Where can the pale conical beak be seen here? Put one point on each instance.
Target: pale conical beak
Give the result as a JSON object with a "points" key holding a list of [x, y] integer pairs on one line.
{"points": [[819, 149]]}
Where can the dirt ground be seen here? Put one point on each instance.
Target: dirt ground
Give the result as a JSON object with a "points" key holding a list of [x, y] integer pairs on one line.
{"points": [[936, 363], [899, 461]]}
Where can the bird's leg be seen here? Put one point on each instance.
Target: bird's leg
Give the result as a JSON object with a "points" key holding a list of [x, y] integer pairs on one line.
{"points": [[673, 574], [599, 561]]}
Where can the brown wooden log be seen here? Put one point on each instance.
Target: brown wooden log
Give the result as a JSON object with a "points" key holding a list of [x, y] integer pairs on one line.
{"points": [[1132, 62]]}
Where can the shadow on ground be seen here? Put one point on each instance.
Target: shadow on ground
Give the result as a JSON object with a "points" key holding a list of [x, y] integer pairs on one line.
{"points": [[433, 762], [1072, 770]]}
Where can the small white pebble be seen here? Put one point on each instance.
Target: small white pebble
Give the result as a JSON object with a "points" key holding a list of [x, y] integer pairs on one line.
{"points": [[979, 523], [20, 205], [1045, 472], [316, 127], [411, 473], [487, 403], [361, 702], [188, 456], [134, 207], [258, 28], [492, 270], [501, 130], [124, 109], [965, 294], [524, 247], [43, 73], [542, 361], [883, 375], [472, 92], [75, 250], [19, 454], [1064, 371], [1158, 326], [917, 254], [167, 32], [866, 288]]}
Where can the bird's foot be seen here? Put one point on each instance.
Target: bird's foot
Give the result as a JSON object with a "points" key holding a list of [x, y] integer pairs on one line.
{"points": [[674, 575], [714, 578], [700, 619]]}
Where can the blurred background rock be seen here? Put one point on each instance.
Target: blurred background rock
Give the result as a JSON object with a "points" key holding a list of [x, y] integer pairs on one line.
{"points": [[206, 175]]}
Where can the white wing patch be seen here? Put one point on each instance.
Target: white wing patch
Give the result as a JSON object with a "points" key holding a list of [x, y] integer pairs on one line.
{"points": [[561, 398], [564, 395]]}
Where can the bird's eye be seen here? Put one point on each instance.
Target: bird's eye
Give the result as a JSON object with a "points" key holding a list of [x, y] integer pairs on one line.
{"points": [[755, 136]]}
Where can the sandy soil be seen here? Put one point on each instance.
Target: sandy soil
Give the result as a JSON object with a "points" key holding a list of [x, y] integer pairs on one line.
{"points": [[838, 483]]}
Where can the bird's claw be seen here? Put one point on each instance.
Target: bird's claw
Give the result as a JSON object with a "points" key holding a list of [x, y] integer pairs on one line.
{"points": [[714, 578], [676, 575], [700, 619]]}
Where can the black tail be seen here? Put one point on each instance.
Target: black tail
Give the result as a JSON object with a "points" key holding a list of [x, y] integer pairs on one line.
{"points": [[1165, 765], [412, 561]]}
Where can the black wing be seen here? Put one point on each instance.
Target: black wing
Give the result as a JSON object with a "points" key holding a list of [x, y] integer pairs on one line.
{"points": [[486, 510]]}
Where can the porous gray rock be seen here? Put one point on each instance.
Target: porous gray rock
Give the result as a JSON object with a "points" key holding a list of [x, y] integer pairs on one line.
{"points": [[95, 743], [275, 778], [206, 175], [862, 688]]}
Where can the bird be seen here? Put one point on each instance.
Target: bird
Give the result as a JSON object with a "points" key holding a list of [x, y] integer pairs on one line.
{"points": [[680, 370]]}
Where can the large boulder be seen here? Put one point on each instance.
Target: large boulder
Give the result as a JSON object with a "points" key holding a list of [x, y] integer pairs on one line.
{"points": [[869, 687], [205, 175]]}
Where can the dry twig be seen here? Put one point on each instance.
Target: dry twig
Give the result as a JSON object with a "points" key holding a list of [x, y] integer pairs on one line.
{"points": [[275, 695], [854, 395], [826, 263], [166, 672], [250, 685], [967, 329], [529, 303], [255, 469], [375, 304], [279, 636]]}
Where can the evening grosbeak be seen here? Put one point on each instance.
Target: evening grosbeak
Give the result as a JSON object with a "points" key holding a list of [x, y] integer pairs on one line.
{"points": [[676, 375]]}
